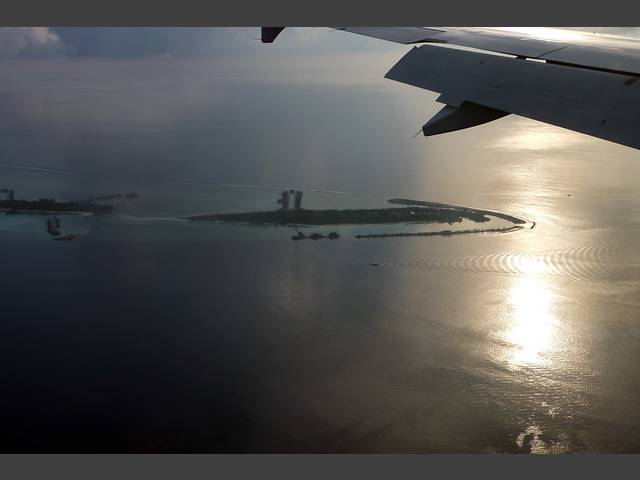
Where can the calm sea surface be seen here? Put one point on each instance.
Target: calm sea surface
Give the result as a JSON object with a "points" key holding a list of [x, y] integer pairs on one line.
{"points": [[150, 333]]}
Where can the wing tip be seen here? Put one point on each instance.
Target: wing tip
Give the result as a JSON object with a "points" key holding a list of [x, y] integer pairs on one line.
{"points": [[269, 34]]}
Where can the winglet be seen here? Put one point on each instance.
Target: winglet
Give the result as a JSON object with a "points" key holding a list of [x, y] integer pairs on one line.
{"points": [[269, 34], [450, 118]]}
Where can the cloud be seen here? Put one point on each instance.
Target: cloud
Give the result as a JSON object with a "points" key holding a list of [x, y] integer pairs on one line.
{"points": [[28, 42], [151, 41]]}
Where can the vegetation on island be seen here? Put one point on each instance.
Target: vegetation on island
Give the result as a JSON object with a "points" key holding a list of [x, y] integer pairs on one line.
{"points": [[412, 211], [90, 205], [51, 205], [504, 216], [301, 216]]}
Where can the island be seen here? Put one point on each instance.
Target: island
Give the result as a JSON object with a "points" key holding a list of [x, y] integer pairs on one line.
{"points": [[12, 205], [50, 205], [413, 212]]}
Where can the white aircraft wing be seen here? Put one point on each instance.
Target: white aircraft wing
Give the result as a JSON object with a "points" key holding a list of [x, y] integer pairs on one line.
{"points": [[588, 83]]}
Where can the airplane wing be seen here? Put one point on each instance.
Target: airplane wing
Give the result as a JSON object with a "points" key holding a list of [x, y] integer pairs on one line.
{"points": [[589, 83]]}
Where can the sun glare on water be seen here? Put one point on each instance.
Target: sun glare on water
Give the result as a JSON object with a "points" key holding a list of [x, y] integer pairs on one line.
{"points": [[532, 321]]}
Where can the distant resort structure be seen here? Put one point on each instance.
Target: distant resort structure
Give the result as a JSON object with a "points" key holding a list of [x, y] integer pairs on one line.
{"points": [[284, 202], [10, 194], [285, 197], [53, 226], [315, 236]]}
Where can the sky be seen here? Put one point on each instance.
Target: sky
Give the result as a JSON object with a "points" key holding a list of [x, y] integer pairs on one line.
{"points": [[130, 42], [214, 104], [43, 42], [197, 104]]}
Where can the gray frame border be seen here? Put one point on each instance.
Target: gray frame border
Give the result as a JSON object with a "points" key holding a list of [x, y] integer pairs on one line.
{"points": [[288, 12], [619, 13], [99, 467]]}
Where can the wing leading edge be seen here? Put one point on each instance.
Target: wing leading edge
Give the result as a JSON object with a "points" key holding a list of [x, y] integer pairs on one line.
{"points": [[599, 96]]}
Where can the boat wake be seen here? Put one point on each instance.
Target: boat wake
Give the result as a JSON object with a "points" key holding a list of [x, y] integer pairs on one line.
{"points": [[36, 169], [595, 262]]}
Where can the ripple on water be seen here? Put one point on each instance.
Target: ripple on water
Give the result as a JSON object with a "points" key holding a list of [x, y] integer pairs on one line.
{"points": [[593, 262]]}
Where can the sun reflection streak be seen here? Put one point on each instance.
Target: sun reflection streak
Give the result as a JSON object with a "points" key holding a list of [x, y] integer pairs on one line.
{"points": [[534, 136], [551, 34], [532, 266], [533, 323]]}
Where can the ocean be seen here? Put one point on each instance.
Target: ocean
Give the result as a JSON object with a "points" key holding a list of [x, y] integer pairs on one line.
{"points": [[154, 334]]}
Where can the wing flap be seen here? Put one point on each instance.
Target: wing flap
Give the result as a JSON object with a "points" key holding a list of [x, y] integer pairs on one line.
{"points": [[451, 118], [482, 39], [577, 49], [601, 104], [612, 60], [404, 35]]}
